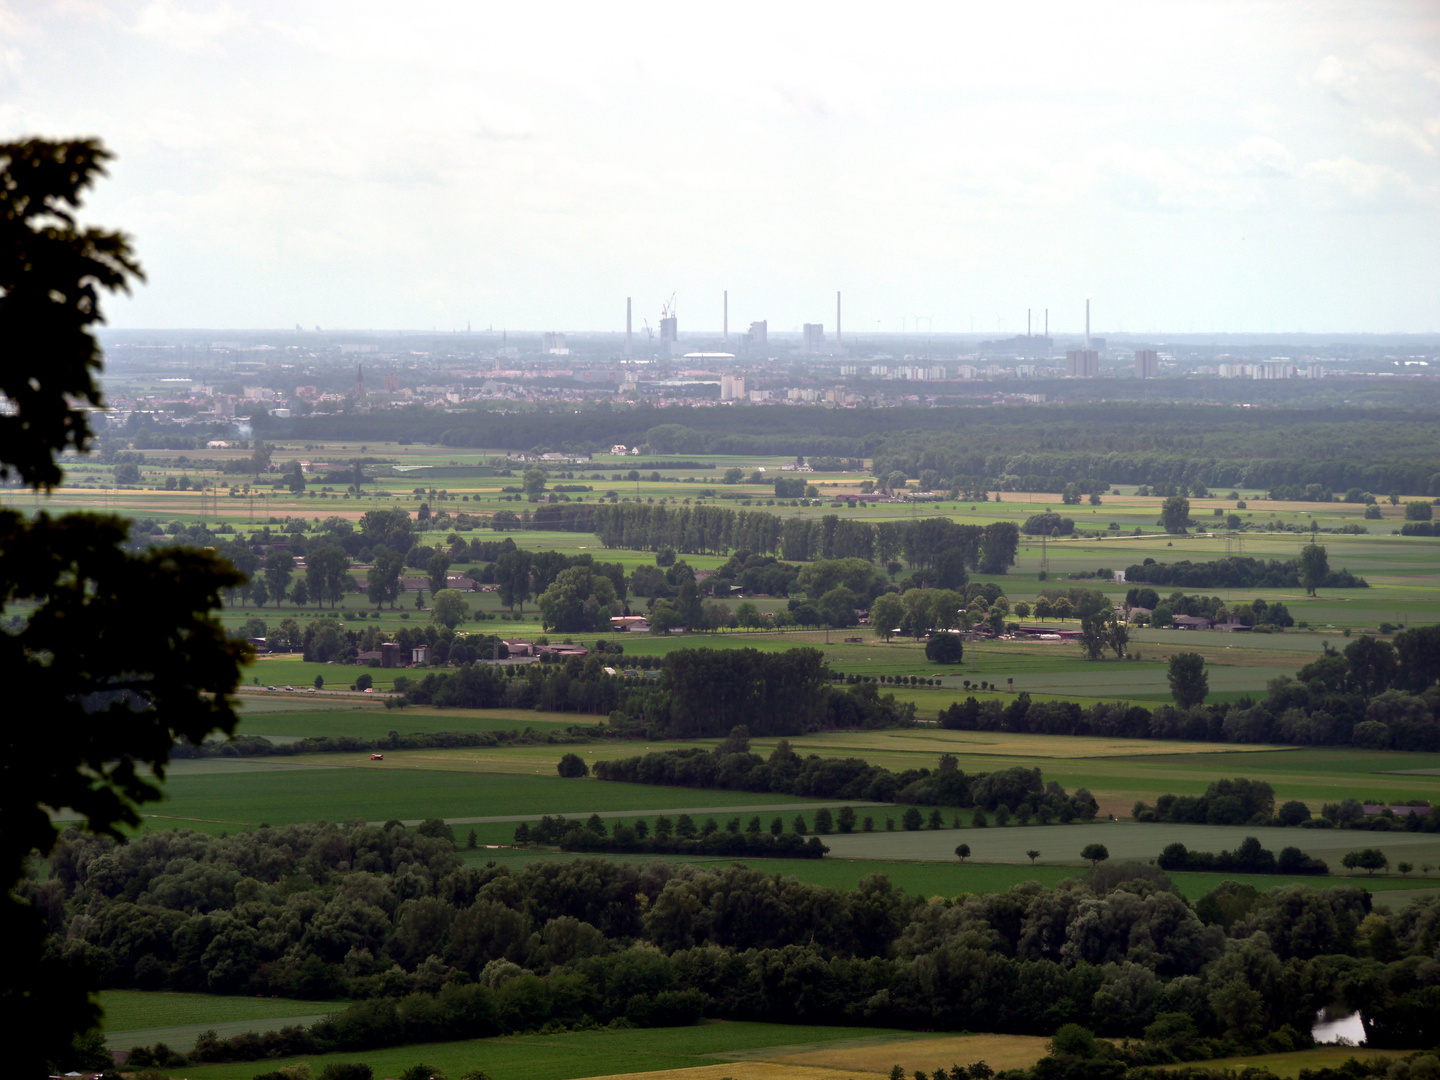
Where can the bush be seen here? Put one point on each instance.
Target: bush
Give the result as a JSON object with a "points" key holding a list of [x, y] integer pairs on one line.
{"points": [[944, 648]]}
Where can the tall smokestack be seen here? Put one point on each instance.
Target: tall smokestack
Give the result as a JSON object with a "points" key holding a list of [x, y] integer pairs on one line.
{"points": [[726, 330], [1087, 322], [837, 316], [627, 326], [1027, 322]]}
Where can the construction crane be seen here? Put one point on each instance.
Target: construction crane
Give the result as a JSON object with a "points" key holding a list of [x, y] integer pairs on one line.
{"points": [[667, 309]]}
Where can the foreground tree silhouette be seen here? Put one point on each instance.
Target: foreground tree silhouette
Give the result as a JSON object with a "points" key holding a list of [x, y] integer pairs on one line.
{"points": [[117, 655]]}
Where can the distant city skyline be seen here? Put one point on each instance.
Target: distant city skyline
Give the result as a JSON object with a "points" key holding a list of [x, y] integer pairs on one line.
{"points": [[1260, 168]]}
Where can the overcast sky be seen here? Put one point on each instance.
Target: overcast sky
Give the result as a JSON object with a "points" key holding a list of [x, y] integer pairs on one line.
{"points": [[1193, 167]]}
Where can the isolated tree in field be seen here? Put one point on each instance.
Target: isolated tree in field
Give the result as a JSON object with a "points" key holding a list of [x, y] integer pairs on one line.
{"points": [[326, 568], [514, 578], [886, 613], [260, 457], [1093, 635], [1367, 859], [1095, 853], [1175, 514], [448, 608], [944, 648], [279, 568], [383, 579], [436, 567], [118, 652], [319, 682], [1117, 636], [1032, 855], [572, 766], [1314, 567], [295, 478], [1189, 684], [963, 851]]}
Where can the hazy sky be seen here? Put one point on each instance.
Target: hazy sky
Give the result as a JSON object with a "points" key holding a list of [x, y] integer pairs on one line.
{"points": [[1193, 167]]}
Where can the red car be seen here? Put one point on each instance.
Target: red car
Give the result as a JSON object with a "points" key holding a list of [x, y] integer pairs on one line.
{"points": [[377, 757]]}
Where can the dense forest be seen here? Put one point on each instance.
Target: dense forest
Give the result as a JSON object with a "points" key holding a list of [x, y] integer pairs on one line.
{"points": [[1017, 448], [437, 949]]}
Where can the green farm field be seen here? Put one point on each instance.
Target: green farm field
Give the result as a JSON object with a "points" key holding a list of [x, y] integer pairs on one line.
{"points": [[940, 878], [603, 1052], [144, 1017], [282, 719], [132, 1009], [224, 795], [1131, 841], [1117, 771]]}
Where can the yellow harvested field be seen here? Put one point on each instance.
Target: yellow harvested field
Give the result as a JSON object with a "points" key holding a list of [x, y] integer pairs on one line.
{"points": [[862, 1058], [997, 1051]]}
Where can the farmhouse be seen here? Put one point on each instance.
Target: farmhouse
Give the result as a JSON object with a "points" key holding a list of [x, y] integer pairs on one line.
{"points": [[624, 623]]}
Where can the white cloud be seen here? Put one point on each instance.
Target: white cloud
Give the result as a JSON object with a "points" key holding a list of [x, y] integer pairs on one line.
{"points": [[187, 28], [1337, 78], [374, 165], [1348, 183], [1404, 132]]}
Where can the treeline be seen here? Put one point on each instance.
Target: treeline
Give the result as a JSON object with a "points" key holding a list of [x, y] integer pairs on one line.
{"points": [[1240, 801], [700, 693], [434, 948], [721, 844], [259, 746], [1236, 572], [577, 684], [1252, 802], [719, 530], [1376, 694], [1017, 791], [1248, 858]]}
